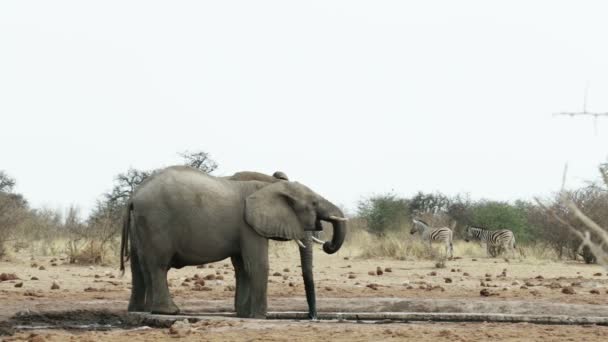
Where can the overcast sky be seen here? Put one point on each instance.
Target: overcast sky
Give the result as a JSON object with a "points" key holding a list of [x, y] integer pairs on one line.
{"points": [[352, 98]]}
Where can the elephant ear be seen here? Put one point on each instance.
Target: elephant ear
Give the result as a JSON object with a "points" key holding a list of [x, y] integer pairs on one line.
{"points": [[270, 213]]}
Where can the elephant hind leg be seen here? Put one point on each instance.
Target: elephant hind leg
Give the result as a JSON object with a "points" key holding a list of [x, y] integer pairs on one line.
{"points": [[138, 288], [161, 298]]}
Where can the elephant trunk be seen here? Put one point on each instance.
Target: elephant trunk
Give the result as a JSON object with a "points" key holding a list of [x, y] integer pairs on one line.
{"points": [[337, 220]]}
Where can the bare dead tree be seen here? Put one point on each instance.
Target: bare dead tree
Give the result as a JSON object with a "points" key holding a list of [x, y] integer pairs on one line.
{"points": [[6, 182], [199, 160]]}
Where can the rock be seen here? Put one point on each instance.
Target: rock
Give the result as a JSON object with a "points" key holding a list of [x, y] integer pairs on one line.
{"points": [[219, 277], [291, 284], [523, 287], [211, 266], [346, 258], [200, 282], [8, 276], [539, 277], [286, 270], [371, 273], [555, 285], [488, 279], [515, 283], [180, 328], [453, 270], [34, 278], [466, 274], [285, 277], [372, 286], [42, 268], [201, 266], [352, 276], [230, 288], [201, 288], [448, 280], [388, 269], [485, 293], [210, 277], [19, 284], [276, 274], [529, 283], [90, 289], [597, 274], [488, 275], [535, 292], [36, 338], [433, 273], [328, 288], [473, 259], [595, 291], [55, 286], [576, 283], [185, 284], [97, 276], [379, 271], [34, 265], [568, 290]]}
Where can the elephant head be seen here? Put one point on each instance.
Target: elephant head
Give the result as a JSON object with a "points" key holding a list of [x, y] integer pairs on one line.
{"points": [[286, 210]]}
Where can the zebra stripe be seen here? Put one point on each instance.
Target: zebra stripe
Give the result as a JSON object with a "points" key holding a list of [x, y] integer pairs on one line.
{"points": [[502, 237], [441, 234]]}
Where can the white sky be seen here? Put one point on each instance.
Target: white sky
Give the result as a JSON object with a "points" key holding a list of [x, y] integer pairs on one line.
{"points": [[349, 97]]}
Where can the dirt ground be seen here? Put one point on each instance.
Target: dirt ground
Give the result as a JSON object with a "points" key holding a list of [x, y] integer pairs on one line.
{"points": [[88, 301]]}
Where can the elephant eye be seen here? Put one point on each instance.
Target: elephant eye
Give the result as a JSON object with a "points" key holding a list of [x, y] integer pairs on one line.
{"points": [[315, 203]]}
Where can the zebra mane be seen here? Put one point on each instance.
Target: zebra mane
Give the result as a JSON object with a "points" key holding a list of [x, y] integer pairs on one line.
{"points": [[421, 221], [479, 227]]}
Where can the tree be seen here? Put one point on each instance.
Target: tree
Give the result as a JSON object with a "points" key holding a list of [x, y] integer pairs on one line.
{"points": [[429, 203], [199, 160], [384, 213], [6, 182]]}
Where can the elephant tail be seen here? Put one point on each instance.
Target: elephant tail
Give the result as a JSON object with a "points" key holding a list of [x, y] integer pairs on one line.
{"points": [[124, 241]]}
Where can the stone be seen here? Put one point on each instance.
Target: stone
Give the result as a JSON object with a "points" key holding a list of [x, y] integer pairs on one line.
{"points": [[568, 290], [180, 328]]}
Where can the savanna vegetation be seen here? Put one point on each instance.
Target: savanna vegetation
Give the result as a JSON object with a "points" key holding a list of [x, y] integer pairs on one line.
{"points": [[380, 226]]}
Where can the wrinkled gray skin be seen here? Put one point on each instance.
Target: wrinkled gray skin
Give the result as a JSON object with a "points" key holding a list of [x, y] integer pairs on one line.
{"points": [[306, 254], [183, 217]]}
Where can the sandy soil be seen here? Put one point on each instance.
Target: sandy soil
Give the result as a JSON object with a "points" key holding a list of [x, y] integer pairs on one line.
{"points": [[344, 283]]}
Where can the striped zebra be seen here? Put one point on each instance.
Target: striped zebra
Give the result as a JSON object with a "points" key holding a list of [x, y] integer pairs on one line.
{"points": [[430, 234], [494, 239]]}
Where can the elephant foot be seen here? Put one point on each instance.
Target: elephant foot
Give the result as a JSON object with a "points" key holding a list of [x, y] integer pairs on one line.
{"points": [[167, 309], [259, 315], [313, 316], [136, 307]]}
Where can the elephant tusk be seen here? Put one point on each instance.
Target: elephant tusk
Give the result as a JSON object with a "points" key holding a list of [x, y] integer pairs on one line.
{"points": [[317, 240], [300, 244], [336, 218]]}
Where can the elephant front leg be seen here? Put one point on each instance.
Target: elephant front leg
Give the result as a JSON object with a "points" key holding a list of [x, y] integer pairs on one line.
{"points": [[242, 292], [255, 260]]}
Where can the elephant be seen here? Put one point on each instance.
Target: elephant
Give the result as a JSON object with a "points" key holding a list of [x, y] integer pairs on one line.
{"points": [[306, 251], [181, 216]]}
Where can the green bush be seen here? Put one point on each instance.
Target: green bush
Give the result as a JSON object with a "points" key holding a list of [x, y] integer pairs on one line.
{"points": [[501, 215], [384, 213]]}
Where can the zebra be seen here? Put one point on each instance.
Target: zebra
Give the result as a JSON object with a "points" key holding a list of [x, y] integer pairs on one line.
{"points": [[494, 239], [442, 234]]}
